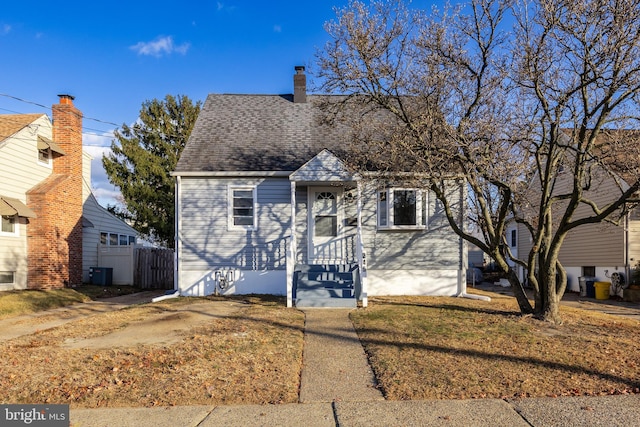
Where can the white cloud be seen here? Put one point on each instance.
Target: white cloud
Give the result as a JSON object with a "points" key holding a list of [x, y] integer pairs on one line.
{"points": [[277, 29], [159, 47], [5, 29], [220, 6]]}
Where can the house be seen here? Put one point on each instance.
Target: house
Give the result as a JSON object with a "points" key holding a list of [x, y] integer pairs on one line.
{"points": [[48, 215], [107, 240], [265, 204], [597, 252]]}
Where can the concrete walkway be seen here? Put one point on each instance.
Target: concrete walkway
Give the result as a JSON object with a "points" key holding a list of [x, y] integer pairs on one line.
{"points": [[335, 367]]}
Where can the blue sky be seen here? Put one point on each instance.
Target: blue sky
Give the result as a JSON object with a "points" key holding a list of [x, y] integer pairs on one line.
{"points": [[112, 56]]}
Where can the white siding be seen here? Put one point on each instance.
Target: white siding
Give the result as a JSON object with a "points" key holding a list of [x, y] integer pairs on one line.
{"points": [[206, 242], [20, 170], [103, 222], [399, 261]]}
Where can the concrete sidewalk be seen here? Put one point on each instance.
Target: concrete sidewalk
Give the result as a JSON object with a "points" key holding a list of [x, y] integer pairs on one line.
{"points": [[538, 412], [337, 389]]}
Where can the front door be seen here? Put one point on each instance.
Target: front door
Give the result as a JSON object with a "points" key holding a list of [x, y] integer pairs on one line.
{"points": [[325, 225]]}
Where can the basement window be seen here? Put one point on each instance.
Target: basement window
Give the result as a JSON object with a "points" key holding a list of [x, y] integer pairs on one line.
{"points": [[7, 277]]}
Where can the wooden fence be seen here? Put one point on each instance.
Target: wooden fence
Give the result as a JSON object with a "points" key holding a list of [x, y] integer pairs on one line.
{"points": [[154, 268]]}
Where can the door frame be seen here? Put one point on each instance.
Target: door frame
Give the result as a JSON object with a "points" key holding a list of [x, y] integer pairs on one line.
{"points": [[311, 196]]}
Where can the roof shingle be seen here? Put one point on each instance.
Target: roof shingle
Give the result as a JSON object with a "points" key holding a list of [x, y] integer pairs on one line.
{"points": [[257, 133]]}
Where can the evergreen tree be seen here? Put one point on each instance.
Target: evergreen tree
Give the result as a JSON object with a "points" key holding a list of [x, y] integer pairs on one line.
{"points": [[142, 159]]}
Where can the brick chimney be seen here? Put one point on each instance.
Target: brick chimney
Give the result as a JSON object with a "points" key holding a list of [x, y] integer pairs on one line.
{"points": [[299, 85], [54, 238]]}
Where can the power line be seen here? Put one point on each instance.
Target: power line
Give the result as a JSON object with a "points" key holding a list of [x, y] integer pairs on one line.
{"points": [[49, 108]]}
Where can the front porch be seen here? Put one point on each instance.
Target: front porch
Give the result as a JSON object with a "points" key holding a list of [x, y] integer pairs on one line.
{"points": [[325, 262]]}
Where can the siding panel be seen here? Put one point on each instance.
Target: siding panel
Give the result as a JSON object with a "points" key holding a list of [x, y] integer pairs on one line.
{"points": [[207, 242]]}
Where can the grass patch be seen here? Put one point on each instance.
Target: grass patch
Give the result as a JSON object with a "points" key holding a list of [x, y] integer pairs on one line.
{"points": [[252, 355], [454, 348], [96, 292], [14, 303]]}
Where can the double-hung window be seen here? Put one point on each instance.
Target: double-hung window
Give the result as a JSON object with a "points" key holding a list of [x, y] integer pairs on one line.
{"points": [[402, 208], [9, 225], [242, 208]]}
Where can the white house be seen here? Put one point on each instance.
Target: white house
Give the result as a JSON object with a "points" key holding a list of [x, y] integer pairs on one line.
{"points": [[265, 204]]}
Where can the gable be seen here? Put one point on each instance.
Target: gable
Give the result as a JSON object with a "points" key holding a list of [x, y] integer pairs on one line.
{"points": [[325, 167]]}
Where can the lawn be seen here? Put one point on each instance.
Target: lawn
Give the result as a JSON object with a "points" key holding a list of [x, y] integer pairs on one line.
{"points": [[453, 348], [419, 348], [15, 303], [253, 355]]}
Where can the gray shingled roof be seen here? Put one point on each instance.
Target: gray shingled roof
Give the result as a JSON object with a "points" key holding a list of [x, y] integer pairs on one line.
{"points": [[257, 133]]}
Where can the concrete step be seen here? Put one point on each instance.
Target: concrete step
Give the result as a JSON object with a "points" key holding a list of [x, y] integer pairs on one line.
{"points": [[326, 302]]}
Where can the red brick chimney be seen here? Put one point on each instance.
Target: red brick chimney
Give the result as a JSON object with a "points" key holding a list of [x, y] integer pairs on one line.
{"points": [[54, 238]]}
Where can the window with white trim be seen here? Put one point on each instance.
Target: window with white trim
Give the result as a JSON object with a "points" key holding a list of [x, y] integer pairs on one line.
{"points": [[9, 225], [7, 277], [242, 208], [45, 156], [402, 208]]}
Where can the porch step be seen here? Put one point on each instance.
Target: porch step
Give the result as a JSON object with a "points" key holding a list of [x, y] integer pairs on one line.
{"points": [[326, 302], [325, 285]]}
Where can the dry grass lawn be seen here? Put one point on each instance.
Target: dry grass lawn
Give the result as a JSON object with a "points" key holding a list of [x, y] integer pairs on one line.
{"points": [[251, 356], [419, 347], [449, 348]]}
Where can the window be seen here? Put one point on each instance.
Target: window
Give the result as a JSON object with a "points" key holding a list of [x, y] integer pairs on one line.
{"points": [[514, 241], [402, 208], [6, 277], [44, 155], [114, 239], [9, 224], [242, 207], [589, 271]]}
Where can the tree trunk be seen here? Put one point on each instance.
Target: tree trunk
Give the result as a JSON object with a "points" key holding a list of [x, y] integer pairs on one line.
{"points": [[547, 305], [519, 292]]}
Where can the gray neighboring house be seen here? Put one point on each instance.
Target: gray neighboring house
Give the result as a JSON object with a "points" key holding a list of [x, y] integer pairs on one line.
{"points": [[265, 204]]}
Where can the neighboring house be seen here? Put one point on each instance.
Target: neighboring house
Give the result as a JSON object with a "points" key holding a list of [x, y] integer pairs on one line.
{"points": [[107, 240], [599, 251], [265, 204], [42, 201]]}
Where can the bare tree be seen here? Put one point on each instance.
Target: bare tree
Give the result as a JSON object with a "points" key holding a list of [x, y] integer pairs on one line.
{"points": [[524, 100]]}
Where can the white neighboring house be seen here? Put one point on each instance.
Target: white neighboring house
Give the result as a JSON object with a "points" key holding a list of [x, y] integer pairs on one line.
{"points": [[45, 241], [22, 166], [107, 240]]}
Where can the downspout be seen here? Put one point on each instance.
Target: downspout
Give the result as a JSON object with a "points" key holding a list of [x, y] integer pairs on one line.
{"points": [[178, 243], [627, 267], [464, 261], [176, 269]]}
